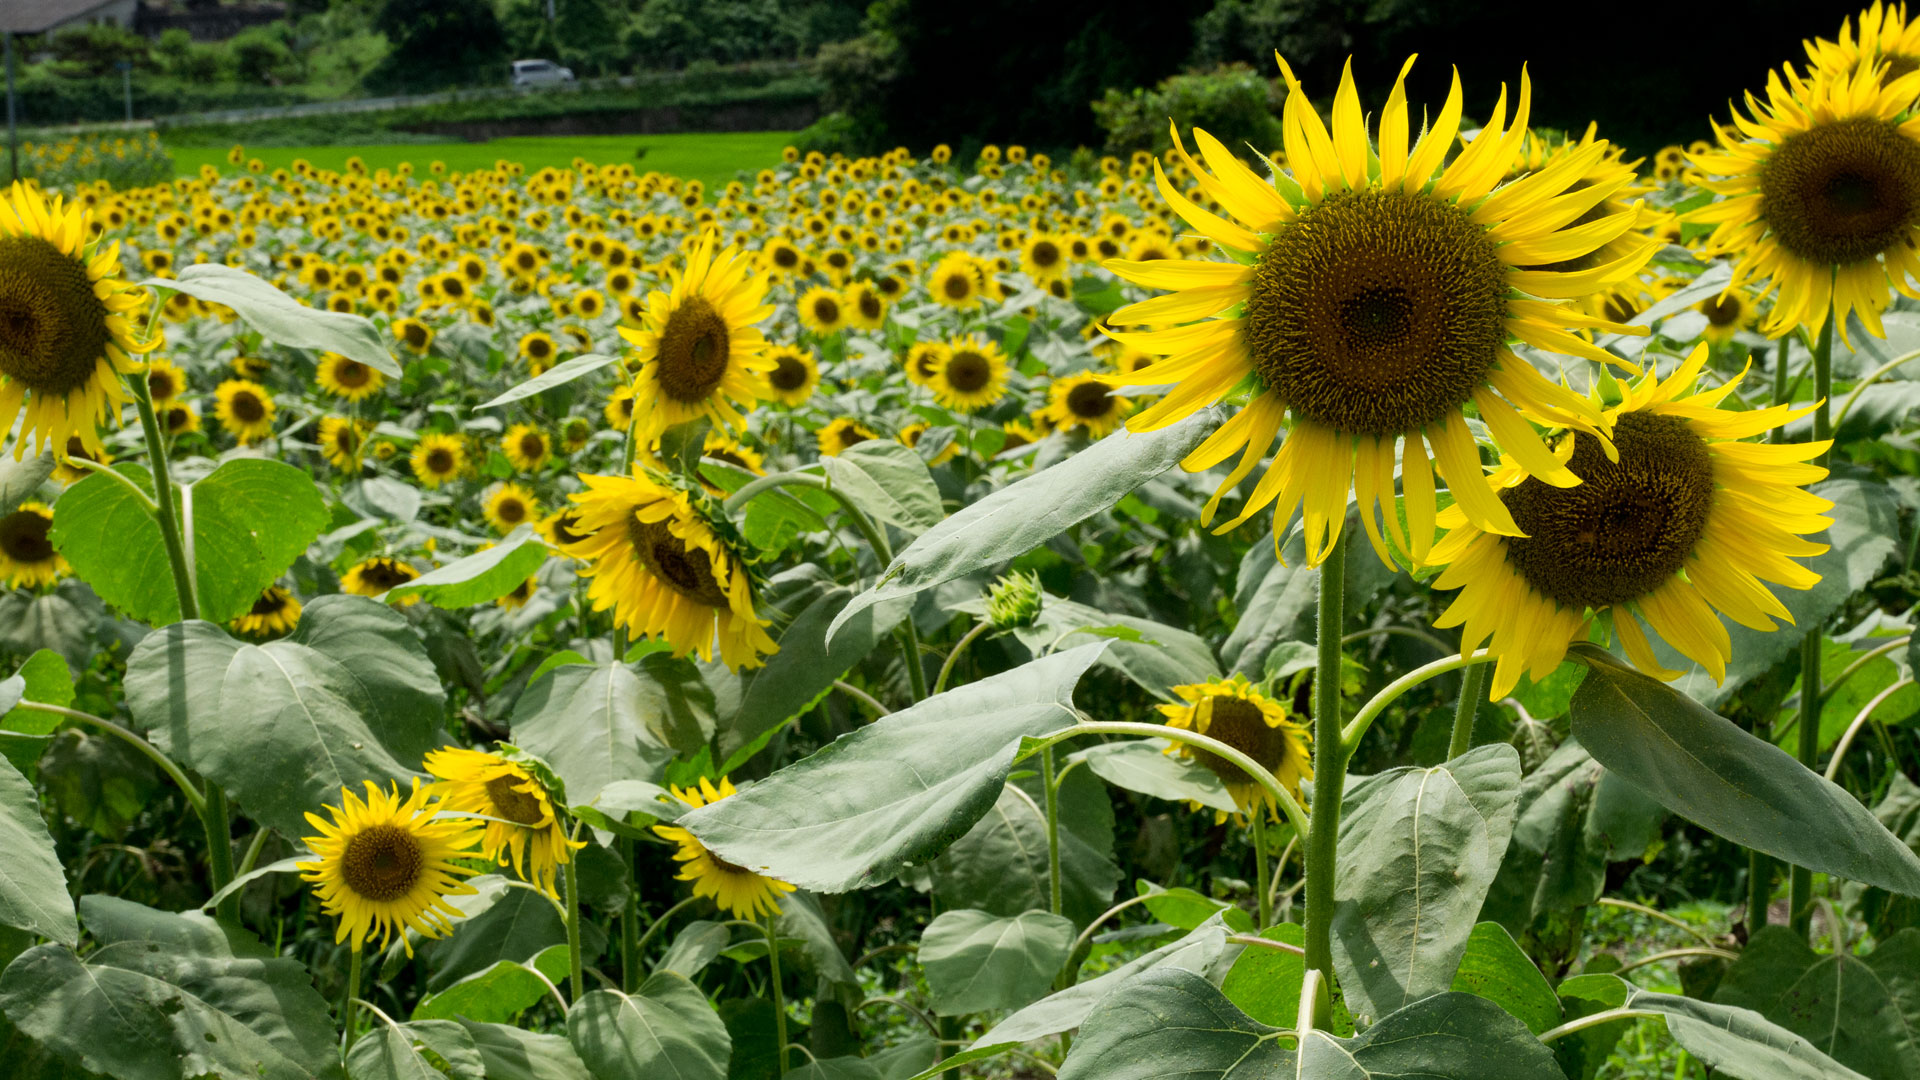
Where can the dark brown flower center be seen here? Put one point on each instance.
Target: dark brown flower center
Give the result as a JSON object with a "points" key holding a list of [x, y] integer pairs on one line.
{"points": [[532, 446], [1843, 192], [510, 510], [826, 309], [565, 528], [1090, 401], [23, 536], [1723, 310], [161, 385], [688, 571], [511, 803], [1241, 725], [789, 373], [1045, 254], [967, 371], [384, 574], [870, 306], [439, 460], [693, 351], [382, 862], [957, 286], [271, 602], [247, 407], [53, 330], [352, 374]]}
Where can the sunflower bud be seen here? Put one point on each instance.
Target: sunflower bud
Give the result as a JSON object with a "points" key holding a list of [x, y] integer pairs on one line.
{"points": [[1014, 600]]}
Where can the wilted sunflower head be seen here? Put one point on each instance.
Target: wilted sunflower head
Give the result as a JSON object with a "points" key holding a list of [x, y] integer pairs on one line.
{"points": [[524, 831], [740, 891]]}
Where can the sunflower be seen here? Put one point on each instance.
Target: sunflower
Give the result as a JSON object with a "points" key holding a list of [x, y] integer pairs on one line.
{"points": [[1043, 257], [27, 558], [657, 562], [924, 359], [245, 409], [914, 432], [562, 527], [1822, 197], [341, 441], [164, 381], [1687, 520], [384, 865], [527, 447], [538, 350], [1086, 400], [180, 420], [1239, 714], [1887, 42], [866, 307], [1372, 296], [589, 303], [524, 829], [839, 435], [1018, 433], [699, 350], [733, 452], [274, 611], [414, 334], [742, 892], [574, 433], [509, 507], [376, 575], [438, 458], [956, 281], [1727, 314], [794, 376], [823, 310], [518, 597], [973, 376], [66, 323], [347, 378]]}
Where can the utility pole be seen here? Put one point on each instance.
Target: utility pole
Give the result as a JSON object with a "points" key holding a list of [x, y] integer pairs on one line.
{"points": [[13, 132]]}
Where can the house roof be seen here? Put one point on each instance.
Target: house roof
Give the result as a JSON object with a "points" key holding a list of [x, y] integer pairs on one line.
{"points": [[39, 16]]}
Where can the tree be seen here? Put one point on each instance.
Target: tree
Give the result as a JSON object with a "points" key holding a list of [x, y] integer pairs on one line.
{"points": [[439, 43]]}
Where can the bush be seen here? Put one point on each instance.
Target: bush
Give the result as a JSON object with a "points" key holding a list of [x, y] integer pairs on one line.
{"points": [[1232, 102]]}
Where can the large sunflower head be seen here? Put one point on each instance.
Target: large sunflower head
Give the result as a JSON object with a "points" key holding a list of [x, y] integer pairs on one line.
{"points": [[738, 890], [522, 828], [794, 375], [384, 865], [245, 409], [972, 376], [700, 352], [347, 378], [509, 507], [659, 564], [1680, 519], [1369, 299], [1239, 714], [27, 557], [1821, 191], [274, 611], [438, 458], [1887, 43], [66, 322]]}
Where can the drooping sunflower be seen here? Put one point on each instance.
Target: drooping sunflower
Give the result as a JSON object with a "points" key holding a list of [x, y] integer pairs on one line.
{"points": [[1688, 520], [1822, 196], [341, 441], [438, 458], [657, 562], [742, 892], [1087, 400], [374, 576], [1237, 713], [794, 376], [525, 830], [245, 409], [509, 507], [348, 378], [839, 435], [27, 558], [383, 865], [1373, 294], [274, 611], [973, 376], [700, 351], [823, 310], [527, 447], [66, 323]]}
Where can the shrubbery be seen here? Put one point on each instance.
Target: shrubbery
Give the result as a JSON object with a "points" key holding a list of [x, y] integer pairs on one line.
{"points": [[1231, 102]]}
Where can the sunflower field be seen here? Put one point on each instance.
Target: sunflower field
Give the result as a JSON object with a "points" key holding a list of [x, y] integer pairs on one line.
{"points": [[1431, 598]]}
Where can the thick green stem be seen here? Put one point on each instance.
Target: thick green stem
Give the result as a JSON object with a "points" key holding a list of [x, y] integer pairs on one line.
{"points": [[629, 922], [1260, 869], [1053, 830], [194, 798], [163, 506], [778, 994], [576, 963], [1472, 682], [1800, 880], [348, 1013], [1329, 769], [219, 824]]}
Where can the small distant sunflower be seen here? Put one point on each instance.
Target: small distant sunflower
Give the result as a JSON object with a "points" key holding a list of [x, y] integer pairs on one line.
{"points": [[274, 611], [742, 892], [923, 361], [509, 507], [1018, 433], [839, 435], [733, 452], [664, 571], [66, 326], [700, 352], [823, 310], [526, 830], [384, 865], [527, 447], [245, 409], [164, 381], [438, 458], [180, 420], [574, 433], [374, 576], [414, 334], [562, 527], [914, 432], [350, 379], [974, 375], [956, 282], [341, 441], [794, 376], [1687, 520], [1043, 257], [1727, 314], [589, 303], [866, 307], [27, 558], [1086, 400], [619, 407], [538, 350], [1237, 713]]}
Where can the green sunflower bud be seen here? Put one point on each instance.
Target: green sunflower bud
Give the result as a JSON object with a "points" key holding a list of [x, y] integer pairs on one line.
{"points": [[1014, 600]]}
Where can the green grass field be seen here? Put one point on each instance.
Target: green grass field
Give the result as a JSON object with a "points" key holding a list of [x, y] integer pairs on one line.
{"points": [[710, 158]]}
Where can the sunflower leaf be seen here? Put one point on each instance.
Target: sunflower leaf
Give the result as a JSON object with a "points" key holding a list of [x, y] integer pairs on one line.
{"points": [[248, 520], [564, 372], [666, 1029], [279, 317], [33, 887], [480, 577]]}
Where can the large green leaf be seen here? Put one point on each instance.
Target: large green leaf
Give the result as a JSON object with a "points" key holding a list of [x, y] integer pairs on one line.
{"points": [[1065, 1010], [44, 678], [564, 372], [510, 1053], [1739, 1042], [1163, 658], [896, 791], [603, 723], [976, 962], [280, 318], [1707, 770], [667, 1029], [1883, 912], [110, 919], [1494, 968], [1001, 864], [1025, 514], [250, 518], [504, 923], [141, 1011], [1418, 849], [495, 994], [1265, 983], [393, 1051], [33, 887], [349, 696], [889, 482], [1582, 1053], [1143, 765], [481, 577], [113, 543], [1863, 1012]]}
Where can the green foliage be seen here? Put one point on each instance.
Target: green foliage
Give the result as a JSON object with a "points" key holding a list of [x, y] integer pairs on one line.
{"points": [[1232, 103], [976, 962], [33, 888], [666, 1028]]}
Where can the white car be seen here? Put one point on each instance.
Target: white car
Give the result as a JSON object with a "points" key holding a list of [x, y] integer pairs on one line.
{"points": [[540, 73]]}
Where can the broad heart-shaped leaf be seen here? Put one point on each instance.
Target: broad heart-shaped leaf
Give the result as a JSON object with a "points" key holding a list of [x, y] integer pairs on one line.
{"points": [[601, 723], [564, 372], [111, 920], [33, 887], [494, 994], [1418, 848], [280, 318], [890, 482], [44, 678], [1023, 515], [1863, 1012], [1143, 765], [388, 1052], [141, 1011], [349, 696], [1001, 864], [666, 1030], [976, 962], [1175, 1023], [897, 791], [1739, 1042], [1166, 656], [1064, 1011], [1721, 778], [481, 577], [1265, 983], [510, 1053], [113, 544], [250, 518], [1494, 968]]}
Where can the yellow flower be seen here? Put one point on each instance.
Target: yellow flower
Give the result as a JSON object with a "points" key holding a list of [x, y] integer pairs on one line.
{"points": [[538, 350], [823, 310], [374, 576], [438, 458], [794, 376], [1727, 314], [1085, 400], [956, 282], [349, 379], [738, 890], [527, 447], [414, 334], [525, 830], [275, 611], [1043, 257], [340, 441], [866, 308], [1235, 712], [912, 434], [1887, 42], [509, 507], [164, 381], [245, 409], [973, 375], [700, 354], [384, 865], [27, 558], [841, 434]]}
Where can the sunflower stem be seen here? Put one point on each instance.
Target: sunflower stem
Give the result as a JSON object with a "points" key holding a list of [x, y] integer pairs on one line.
{"points": [[1053, 829], [163, 504], [220, 852], [1800, 879], [1472, 681], [629, 922], [1261, 886], [348, 1010], [953, 657], [1329, 770], [576, 964], [779, 996]]}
